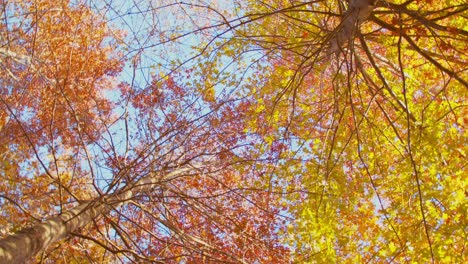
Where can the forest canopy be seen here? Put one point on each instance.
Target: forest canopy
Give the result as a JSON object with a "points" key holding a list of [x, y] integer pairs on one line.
{"points": [[237, 131]]}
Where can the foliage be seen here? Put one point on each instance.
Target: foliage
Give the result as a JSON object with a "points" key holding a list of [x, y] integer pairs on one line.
{"points": [[314, 131], [56, 63], [376, 132]]}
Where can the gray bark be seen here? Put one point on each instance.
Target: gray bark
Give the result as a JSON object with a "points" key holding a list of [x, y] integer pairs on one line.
{"points": [[25, 244]]}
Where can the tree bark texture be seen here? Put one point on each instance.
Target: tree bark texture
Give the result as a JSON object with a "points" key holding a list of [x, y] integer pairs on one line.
{"points": [[358, 12], [27, 243]]}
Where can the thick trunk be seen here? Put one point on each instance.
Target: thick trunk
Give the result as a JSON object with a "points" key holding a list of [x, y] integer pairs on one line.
{"points": [[358, 12], [25, 244]]}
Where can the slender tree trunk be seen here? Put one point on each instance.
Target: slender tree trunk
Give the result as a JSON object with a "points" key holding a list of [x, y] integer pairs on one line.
{"points": [[27, 243]]}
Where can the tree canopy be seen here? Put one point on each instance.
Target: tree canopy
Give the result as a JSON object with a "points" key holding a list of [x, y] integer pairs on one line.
{"points": [[236, 131]]}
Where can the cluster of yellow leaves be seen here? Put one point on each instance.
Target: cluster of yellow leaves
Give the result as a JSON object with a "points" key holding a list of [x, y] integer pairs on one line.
{"points": [[378, 133]]}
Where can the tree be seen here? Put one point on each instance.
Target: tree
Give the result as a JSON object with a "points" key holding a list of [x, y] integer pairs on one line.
{"points": [[236, 131], [55, 67], [368, 97], [144, 177]]}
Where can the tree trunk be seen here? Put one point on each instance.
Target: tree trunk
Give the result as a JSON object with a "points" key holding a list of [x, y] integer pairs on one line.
{"points": [[27, 243], [358, 12]]}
